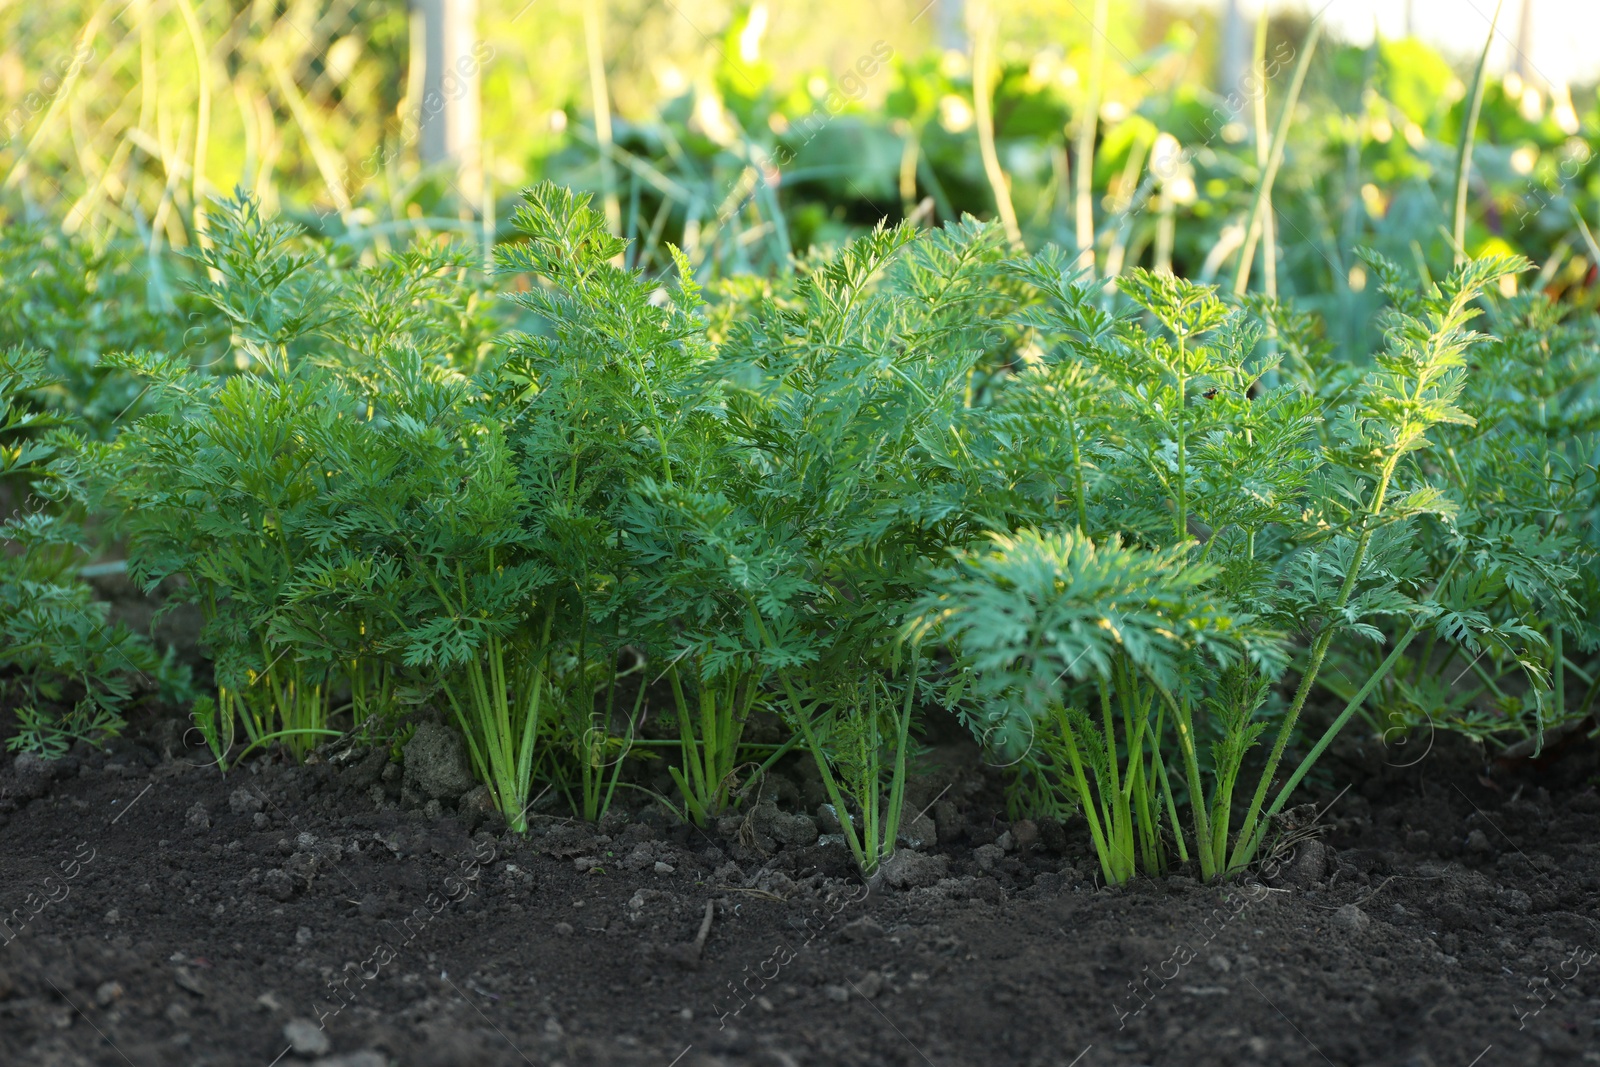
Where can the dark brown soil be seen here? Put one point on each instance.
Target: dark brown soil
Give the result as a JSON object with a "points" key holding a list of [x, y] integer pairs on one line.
{"points": [[163, 914]]}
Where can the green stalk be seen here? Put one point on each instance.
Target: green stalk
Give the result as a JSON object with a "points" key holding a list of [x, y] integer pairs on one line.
{"points": [[1140, 817], [818, 755], [1091, 815], [1248, 847], [870, 822], [1558, 673], [1172, 807], [711, 723], [690, 781], [1469, 131], [1319, 651], [1280, 137], [1150, 814], [897, 784], [821, 759], [1077, 479], [1250, 834], [1202, 826], [1115, 814], [1181, 519]]}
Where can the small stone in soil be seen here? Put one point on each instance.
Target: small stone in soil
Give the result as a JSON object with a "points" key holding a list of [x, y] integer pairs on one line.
{"points": [[837, 993], [564, 929], [187, 979], [305, 1037]]}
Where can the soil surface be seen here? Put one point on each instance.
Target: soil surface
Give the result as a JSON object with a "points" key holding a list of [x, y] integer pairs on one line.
{"points": [[163, 914]]}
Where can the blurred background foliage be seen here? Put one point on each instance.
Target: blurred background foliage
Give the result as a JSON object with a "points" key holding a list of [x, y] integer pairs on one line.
{"points": [[743, 132]]}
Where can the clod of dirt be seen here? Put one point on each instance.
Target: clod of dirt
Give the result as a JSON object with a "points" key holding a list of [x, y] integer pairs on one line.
{"points": [[828, 820], [912, 870], [197, 818], [305, 1037], [1351, 919], [988, 856], [917, 828], [476, 800], [1052, 835], [865, 928], [31, 767], [798, 830], [1306, 867], [436, 763], [277, 884]]}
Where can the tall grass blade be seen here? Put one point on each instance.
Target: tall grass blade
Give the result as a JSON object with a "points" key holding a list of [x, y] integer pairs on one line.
{"points": [[1259, 208], [1469, 129], [1269, 224]]}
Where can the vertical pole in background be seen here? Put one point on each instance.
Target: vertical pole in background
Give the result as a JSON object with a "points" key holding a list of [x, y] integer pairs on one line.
{"points": [[1235, 48], [448, 122], [952, 25], [1521, 62]]}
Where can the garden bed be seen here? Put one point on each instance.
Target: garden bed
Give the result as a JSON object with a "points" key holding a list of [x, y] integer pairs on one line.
{"points": [[1445, 917]]}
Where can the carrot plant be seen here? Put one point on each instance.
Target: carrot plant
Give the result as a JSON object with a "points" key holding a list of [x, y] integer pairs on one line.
{"points": [[844, 391], [1523, 470], [75, 669], [1215, 517], [1141, 529], [238, 482]]}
